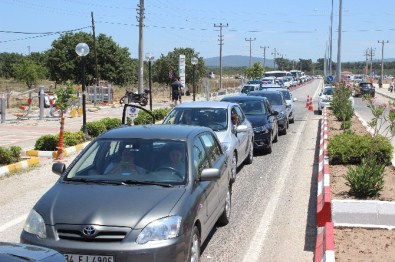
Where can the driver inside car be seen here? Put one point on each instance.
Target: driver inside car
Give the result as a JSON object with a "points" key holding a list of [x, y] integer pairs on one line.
{"points": [[126, 165]]}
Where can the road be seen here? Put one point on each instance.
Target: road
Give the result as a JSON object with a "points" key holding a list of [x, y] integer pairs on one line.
{"points": [[273, 201]]}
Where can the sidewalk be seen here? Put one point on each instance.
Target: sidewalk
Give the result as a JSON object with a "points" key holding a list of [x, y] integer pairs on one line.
{"points": [[384, 91]]}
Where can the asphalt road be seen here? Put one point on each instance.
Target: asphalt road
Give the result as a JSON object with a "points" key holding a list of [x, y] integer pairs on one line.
{"points": [[273, 201]]}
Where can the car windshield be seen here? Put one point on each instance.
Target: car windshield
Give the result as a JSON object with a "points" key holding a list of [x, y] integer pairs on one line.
{"points": [[286, 95], [252, 107], [214, 118], [367, 85], [133, 161], [254, 82], [247, 89], [274, 99], [328, 91]]}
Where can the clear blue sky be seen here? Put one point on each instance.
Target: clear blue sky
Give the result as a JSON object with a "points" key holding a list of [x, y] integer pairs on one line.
{"points": [[295, 28]]}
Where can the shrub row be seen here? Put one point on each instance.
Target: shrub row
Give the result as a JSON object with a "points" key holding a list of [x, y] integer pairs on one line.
{"points": [[10, 155], [50, 142]]}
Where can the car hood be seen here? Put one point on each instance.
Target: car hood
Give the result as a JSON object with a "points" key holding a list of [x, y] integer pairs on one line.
{"points": [[130, 206], [257, 120]]}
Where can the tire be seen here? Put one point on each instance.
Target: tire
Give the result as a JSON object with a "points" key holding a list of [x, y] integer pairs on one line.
{"points": [[233, 168], [275, 139], [284, 131], [250, 156], [143, 101], [224, 219], [292, 120], [270, 148], [194, 246]]}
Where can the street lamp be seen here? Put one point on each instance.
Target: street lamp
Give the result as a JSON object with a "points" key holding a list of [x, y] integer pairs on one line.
{"points": [[194, 61], [82, 49], [150, 58]]}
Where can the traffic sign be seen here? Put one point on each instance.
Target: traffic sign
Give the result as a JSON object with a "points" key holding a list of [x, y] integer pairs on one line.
{"points": [[133, 111], [330, 78]]}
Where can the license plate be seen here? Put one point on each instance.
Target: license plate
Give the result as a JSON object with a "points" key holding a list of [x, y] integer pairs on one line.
{"points": [[88, 258]]}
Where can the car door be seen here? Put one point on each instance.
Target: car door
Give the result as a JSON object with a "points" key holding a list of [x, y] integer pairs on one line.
{"points": [[201, 161], [270, 117], [217, 160], [243, 137]]}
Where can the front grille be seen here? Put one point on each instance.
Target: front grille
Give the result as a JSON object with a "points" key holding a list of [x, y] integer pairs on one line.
{"points": [[102, 234]]}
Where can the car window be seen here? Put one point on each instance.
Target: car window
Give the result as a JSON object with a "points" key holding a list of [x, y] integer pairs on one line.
{"points": [[199, 156], [143, 160], [239, 113], [286, 94], [213, 149], [253, 107], [328, 91]]}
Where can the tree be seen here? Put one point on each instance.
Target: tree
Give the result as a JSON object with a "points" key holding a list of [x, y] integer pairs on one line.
{"points": [[29, 72], [306, 65], [255, 71], [114, 62], [169, 63], [6, 64], [65, 96]]}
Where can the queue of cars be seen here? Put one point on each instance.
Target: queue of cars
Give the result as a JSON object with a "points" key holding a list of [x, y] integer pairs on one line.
{"points": [[154, 192]]}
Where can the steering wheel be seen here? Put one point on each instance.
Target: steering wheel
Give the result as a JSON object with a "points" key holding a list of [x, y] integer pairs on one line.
{"points": [[173, 171]]}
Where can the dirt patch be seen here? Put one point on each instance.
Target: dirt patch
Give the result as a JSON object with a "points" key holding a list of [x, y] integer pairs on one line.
{"points": [[360, 244]]}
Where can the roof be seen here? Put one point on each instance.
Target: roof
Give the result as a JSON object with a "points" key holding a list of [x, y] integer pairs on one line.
{"points": [[265, 91], [243, 98], [171, 132], [205, 104]]}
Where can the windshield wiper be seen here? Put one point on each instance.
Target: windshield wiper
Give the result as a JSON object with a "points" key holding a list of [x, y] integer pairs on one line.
{"points": [[135, 182], [112, 182]]}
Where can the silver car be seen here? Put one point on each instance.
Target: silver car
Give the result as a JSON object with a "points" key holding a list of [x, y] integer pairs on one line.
{"points": [[236, 139], [141, 193]]}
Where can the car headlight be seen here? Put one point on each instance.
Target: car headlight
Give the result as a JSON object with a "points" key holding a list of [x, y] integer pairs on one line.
{"points": [[261, 129], [225, 146], [35, 224], [161, 229]]}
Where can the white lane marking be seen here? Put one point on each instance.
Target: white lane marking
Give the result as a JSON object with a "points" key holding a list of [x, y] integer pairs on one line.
{"points": [[259, 238], [13, 222]]}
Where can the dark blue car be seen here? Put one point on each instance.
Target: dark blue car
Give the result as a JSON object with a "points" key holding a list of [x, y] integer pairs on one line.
{"points": [[262, 118], [278, 104]]}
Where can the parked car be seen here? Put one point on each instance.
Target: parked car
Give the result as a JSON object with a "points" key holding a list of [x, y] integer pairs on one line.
{"points": [[262, 118], [162, 213], [365, 88], [325, 98], [17, 252], [267, 86], [236, 140], [248, 88], [278, 104], [290, 103]]}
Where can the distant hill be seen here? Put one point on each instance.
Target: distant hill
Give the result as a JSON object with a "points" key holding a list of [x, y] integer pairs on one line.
{"points": [[235, 61]]}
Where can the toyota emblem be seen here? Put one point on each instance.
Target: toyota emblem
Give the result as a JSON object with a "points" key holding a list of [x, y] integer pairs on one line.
{"points": [[89, 231]]}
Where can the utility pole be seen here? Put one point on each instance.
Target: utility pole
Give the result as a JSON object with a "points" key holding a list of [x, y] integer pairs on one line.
{"points": [[94, 49], [274, 53], [366, 58], [330, 43], [221, 40], [371, 60], [339, 62], [140, 19], [382, 58], [250, 40], [264, 55]]}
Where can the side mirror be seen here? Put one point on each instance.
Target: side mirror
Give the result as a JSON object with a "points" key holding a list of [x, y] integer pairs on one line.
{"points": [[58, 168], [241, 128], [210, 174], [274, 113], [295, 99]]}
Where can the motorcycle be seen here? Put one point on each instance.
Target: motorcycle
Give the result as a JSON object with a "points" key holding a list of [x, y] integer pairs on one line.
{"points": [[131, 97]]}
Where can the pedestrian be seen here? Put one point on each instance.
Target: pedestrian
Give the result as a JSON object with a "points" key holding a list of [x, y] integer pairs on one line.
{"points": [[380, 83], [392, 85], [176, 89]]}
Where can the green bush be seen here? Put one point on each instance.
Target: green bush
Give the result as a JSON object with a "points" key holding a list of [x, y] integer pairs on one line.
{"points": [[367, 179], [10, 155], [95, 128], [46, 143], [341, 105], [72, 138], [111, 123], [350, 148], [143, 118]]}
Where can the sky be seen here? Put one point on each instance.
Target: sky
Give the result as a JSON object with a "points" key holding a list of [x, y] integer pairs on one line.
{"points": [[292, 29]]}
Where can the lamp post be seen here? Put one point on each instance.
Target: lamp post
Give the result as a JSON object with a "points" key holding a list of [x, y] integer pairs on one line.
{"points": [[82, 49], [194, 61], [150, 58]]}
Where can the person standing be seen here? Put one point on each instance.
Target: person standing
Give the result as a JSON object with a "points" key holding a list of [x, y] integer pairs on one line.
{"points": [[176, 91]]}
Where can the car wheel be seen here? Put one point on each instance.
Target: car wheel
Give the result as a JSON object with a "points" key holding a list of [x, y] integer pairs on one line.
{"points": [[284, 131], [250, 156], [269, 148], [194, 252], [224, 219], [292, 120], [233, 167], [275, 139]]}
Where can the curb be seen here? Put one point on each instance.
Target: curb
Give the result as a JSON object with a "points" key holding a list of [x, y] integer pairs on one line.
{"points": [[53, 154], [20, 165], [325, 245], [323, 188], [35, 158]]}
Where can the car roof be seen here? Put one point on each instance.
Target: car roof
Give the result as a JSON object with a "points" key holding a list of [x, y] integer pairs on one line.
{"points": [[266, 91], [171, 132], [243, 98], [270, 86], [205, 104]]}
